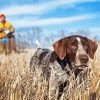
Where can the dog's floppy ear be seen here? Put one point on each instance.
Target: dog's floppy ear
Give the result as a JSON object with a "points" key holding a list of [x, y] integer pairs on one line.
{"points": [[92, 48], [60, 48]]}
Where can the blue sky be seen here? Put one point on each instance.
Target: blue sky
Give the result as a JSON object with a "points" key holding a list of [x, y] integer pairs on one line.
{"points": [[53, 15]]}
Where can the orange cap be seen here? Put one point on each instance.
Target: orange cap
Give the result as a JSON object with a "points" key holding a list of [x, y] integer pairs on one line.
{"points": [[2, 15]]}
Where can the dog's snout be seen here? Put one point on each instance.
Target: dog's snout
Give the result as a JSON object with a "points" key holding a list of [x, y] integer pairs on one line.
{"points": [[84, 59]]}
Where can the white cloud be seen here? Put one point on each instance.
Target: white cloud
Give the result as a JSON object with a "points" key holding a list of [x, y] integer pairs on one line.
{"points": [[50, 21], [40, 7], [25, 9]]}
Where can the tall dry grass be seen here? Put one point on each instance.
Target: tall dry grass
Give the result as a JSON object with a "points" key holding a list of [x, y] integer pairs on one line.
{"points": [[18, 83]]}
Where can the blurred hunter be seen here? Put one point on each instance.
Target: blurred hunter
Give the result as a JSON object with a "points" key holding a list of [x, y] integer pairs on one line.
{"points": [[6, 34]]}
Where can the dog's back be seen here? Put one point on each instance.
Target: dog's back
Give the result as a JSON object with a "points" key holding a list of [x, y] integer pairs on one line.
{"points": [[50, 71]]}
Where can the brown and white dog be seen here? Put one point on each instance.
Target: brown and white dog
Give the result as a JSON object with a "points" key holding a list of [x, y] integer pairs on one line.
{"points": [[72, 52]]}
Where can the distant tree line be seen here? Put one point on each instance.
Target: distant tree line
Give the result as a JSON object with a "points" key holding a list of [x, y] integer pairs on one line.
{"points": [[26, 38]]}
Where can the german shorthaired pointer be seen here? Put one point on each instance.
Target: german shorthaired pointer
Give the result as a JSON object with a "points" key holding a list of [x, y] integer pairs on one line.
{"points": [[72, 52]]}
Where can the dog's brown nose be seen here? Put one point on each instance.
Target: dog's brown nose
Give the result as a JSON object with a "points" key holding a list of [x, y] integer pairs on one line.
{"points": [[84, 59]]}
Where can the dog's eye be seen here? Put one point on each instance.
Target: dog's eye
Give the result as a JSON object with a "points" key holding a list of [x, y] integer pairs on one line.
{"points": [[85, 46], [73, 46]]}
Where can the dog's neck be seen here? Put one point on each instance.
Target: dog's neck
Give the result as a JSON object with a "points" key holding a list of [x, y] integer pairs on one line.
{"points": [[66, 63], [63, 63]]}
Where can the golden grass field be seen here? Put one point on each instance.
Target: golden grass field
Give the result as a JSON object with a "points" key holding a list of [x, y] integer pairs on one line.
{"points": [[17, 83]]}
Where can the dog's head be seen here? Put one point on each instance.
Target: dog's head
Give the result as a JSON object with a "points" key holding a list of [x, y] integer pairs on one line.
{"points": [[76, 48]]}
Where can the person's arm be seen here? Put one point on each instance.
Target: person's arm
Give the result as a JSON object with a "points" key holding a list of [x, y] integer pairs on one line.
{"points": [[9, 31]]}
